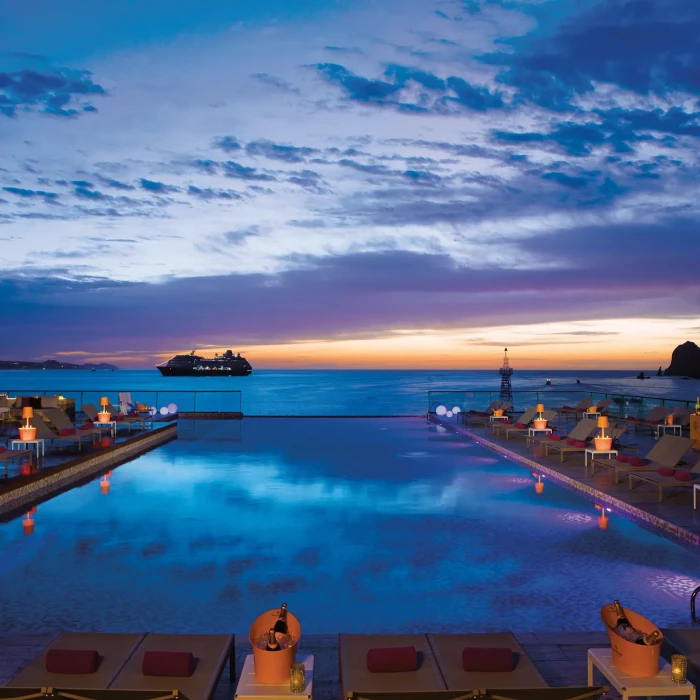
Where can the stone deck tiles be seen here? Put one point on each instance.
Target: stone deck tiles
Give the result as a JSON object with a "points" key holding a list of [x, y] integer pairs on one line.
{"points": [[560, 658], [676, 509]]}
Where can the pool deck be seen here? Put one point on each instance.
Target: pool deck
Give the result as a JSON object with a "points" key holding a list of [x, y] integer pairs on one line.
{"points": [[559, 656], [673, 517]]}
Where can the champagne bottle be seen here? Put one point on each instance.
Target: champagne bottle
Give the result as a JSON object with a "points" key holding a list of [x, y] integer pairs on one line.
{"points": [[623, 627], [648, 639], [272, 643], [281, 628]]}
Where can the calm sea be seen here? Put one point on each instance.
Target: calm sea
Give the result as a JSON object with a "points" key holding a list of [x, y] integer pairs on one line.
{"points": [[339, 392]]}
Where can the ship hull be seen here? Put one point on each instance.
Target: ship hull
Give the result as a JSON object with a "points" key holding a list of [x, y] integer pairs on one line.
{"points": [[189, 372]]}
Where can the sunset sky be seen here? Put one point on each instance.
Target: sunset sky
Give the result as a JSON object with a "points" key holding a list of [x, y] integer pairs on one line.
{"points": [[348, 183]]}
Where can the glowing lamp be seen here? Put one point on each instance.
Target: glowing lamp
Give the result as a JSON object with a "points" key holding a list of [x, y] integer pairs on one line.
{"points": [[456, 410], [449, 414], [28, 524], [441, 410], [104, 485], [498, 412], [539, 486], [539, 423], [679, 668], [164, 411], [172, 408], [669, 419], [27, 432], [593, 409], [602, 442], [103, 416]]}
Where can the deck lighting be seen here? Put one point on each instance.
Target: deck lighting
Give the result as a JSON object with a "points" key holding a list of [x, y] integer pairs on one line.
{"points": [[603, 519], [103, 416], [539, 486], [27, 431], [540, 423], [602, 442], [679, 668], [104, 485], [593, 408], [172, 408], [441, 410], [669, 419], [456, 410], [28, 524]]}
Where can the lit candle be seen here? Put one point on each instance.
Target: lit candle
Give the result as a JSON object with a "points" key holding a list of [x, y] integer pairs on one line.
{"points": [[679, 668]]}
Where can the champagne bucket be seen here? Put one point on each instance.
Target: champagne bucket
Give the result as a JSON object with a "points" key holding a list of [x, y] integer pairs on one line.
{"points": [[632, 659], [273, 666]]}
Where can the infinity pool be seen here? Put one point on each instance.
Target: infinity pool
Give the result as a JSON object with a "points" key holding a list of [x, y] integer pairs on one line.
{"points": [[358, 524]]}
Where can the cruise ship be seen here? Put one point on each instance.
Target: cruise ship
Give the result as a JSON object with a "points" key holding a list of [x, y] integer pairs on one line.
{"points": [[226, 365]]}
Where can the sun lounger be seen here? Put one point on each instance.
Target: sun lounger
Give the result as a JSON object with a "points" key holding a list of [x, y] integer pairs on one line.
{"points": [[356, 678], [8, 455], [447, 649], [580, 446], [580, 432], [114, 650], [64, 693], [44, 432], [126, 419], [512, 429], [90, 410], [499, 427], [211, 652], [666, 481], [469, 416], [667, 452], [60, 420], [580, 407], [651, 420]]}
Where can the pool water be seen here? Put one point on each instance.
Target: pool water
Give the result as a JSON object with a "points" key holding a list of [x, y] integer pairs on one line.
{"points": [[360, 525]]}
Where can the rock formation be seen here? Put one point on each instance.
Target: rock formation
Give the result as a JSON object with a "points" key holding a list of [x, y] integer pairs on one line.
{"points": [[685, 361]]}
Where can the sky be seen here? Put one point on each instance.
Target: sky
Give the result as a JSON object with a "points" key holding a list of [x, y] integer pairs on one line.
{"points": [[350, 183]]}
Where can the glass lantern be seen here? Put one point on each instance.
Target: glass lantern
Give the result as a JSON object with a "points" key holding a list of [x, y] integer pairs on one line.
{"points": [[297, 678], [679, 668]]}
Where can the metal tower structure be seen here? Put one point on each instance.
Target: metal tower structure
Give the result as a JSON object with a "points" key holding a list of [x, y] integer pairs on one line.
{"points": [[506, 371]]}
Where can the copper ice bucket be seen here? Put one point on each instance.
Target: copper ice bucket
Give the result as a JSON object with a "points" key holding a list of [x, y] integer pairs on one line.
{"points": [[273, 666], [632, 659]]}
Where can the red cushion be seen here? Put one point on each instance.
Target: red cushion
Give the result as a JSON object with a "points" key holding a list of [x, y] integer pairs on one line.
{"points": [[520, 425], [168, 663], [637, 461], [570, 441], [487, 659], [72, 661], [556, 438], [3, 449], [26, 401], [682, 475], [633, 418], [87, 426], [67, 431], [579, 443], [657, 422], [118, 417], [392, 660], [666, 471], [570, 408], [623, 458]]}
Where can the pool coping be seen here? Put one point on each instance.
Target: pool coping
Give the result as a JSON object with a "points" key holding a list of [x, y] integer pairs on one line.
{"points": [[63, 476], [650, 522]]}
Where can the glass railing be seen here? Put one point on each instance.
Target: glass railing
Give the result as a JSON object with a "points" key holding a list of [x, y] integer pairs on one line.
{"points": [[165, 402], [623, 405]]}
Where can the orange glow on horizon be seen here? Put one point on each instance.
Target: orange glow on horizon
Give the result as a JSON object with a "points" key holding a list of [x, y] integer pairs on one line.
{"points": [[605, 344]]}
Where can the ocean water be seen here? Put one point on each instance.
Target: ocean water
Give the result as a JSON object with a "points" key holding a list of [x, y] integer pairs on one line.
{"points": [[360, 525], [338, 392]]}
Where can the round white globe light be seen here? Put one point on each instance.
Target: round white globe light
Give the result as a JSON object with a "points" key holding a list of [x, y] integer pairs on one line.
{"points": [[449, 414], [172, 408], [441, 410], [164, 411], [456, 409]]}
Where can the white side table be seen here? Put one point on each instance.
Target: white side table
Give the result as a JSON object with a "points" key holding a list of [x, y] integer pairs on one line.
{"points": [[25, 444], [591, 414], [531, 432], [631, 686], [593, 452], [665, 428], [112, 426], [494, 419], [248, 687]]}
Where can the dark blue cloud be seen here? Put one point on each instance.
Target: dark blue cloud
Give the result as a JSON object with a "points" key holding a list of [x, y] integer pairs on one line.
{"points": [[21, 192], [81, 183], [53, 89], [640, 45], [241, 172], [272, 81], [157, 187], [276, 151], [208, 193], [566, 180], [437, 96], [85, 193], [116, 184], [227, 143]]}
